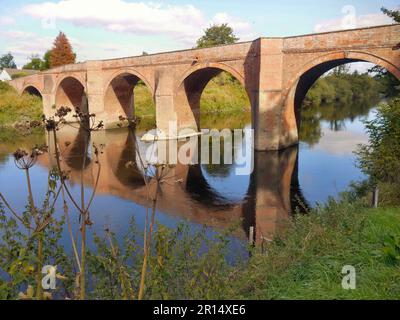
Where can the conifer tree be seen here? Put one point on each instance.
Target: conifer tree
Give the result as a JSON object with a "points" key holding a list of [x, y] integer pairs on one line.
{"points": [[61, 53]]}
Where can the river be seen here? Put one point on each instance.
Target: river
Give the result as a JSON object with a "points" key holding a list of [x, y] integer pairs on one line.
{"points": [[281, 184]]}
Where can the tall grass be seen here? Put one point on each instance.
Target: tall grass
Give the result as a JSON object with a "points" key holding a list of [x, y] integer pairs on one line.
{"points": [[307, 262], [15, 108]]}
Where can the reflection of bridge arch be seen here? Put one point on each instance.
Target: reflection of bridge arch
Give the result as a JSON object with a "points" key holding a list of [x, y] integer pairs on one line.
{"points": [[306, 76], [267, 205], [74, 153], [124, 164], [200, 190]]}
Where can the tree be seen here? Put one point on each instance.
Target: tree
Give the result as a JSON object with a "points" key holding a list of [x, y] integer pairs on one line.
{"points": [[389, 81], [217, 35], [34, 64], [379, 159], [62, 53], [7, 61], [37, 63], [341, 70], [46, 60], [394, 14]]}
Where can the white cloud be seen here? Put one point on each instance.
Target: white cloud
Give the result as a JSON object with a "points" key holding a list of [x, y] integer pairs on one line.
{"points": [[23, 44], [5, 21], [184, 23], [139, 18], [351, 21]]}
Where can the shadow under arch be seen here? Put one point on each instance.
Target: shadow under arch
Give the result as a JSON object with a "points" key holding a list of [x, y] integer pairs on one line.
{"points": [[119, 99], [32, 90], [70, 92], [191, 87], [308, 75]]}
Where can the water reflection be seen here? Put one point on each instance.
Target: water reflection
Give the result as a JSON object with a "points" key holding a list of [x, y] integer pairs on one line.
{"points": [[336, 115], [264, 200], [281, 184]]}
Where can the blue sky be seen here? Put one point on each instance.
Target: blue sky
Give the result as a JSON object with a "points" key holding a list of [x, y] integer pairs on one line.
{"points": [[101, 29]]}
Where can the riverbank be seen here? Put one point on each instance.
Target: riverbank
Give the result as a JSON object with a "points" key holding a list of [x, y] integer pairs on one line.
{"points": [[307, 262], [16, 109], [304, 263]]}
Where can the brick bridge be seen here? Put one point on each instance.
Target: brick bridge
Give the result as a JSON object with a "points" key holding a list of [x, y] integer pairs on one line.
{"points": [[276, 73]]}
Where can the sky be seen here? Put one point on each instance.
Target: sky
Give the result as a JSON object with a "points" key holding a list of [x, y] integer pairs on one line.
{"points": [[105, 29]]}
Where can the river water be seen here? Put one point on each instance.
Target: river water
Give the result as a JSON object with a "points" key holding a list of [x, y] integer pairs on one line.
{"points": [[322, 165]]}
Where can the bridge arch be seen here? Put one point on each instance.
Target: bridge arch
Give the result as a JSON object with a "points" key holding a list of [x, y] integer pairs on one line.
{"points": [[32, 90], [308, 74], [71, 92], [119, 93], [191, 86]]}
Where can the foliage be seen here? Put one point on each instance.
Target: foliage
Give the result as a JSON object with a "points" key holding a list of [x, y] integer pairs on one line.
{"points": [[222, 95], [19, 258], [46, 60], [217, 35], [389, 83], [391, 249], [379, 159], [394, 14], [343, 87], [37, 63], [306, 262], [18, 109], [7, 61], [388, 80], [182, 265], [34, 64], [61, 53]]}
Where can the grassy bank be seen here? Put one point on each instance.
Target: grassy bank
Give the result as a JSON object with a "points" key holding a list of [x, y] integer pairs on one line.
{"points": [[16, 109], [223, 94], [306, 263]]}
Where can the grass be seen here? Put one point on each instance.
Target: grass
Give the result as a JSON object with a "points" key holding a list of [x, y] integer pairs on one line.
{"points": [[223, 94], [303, 263], [307, 261], [16, 109]]}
